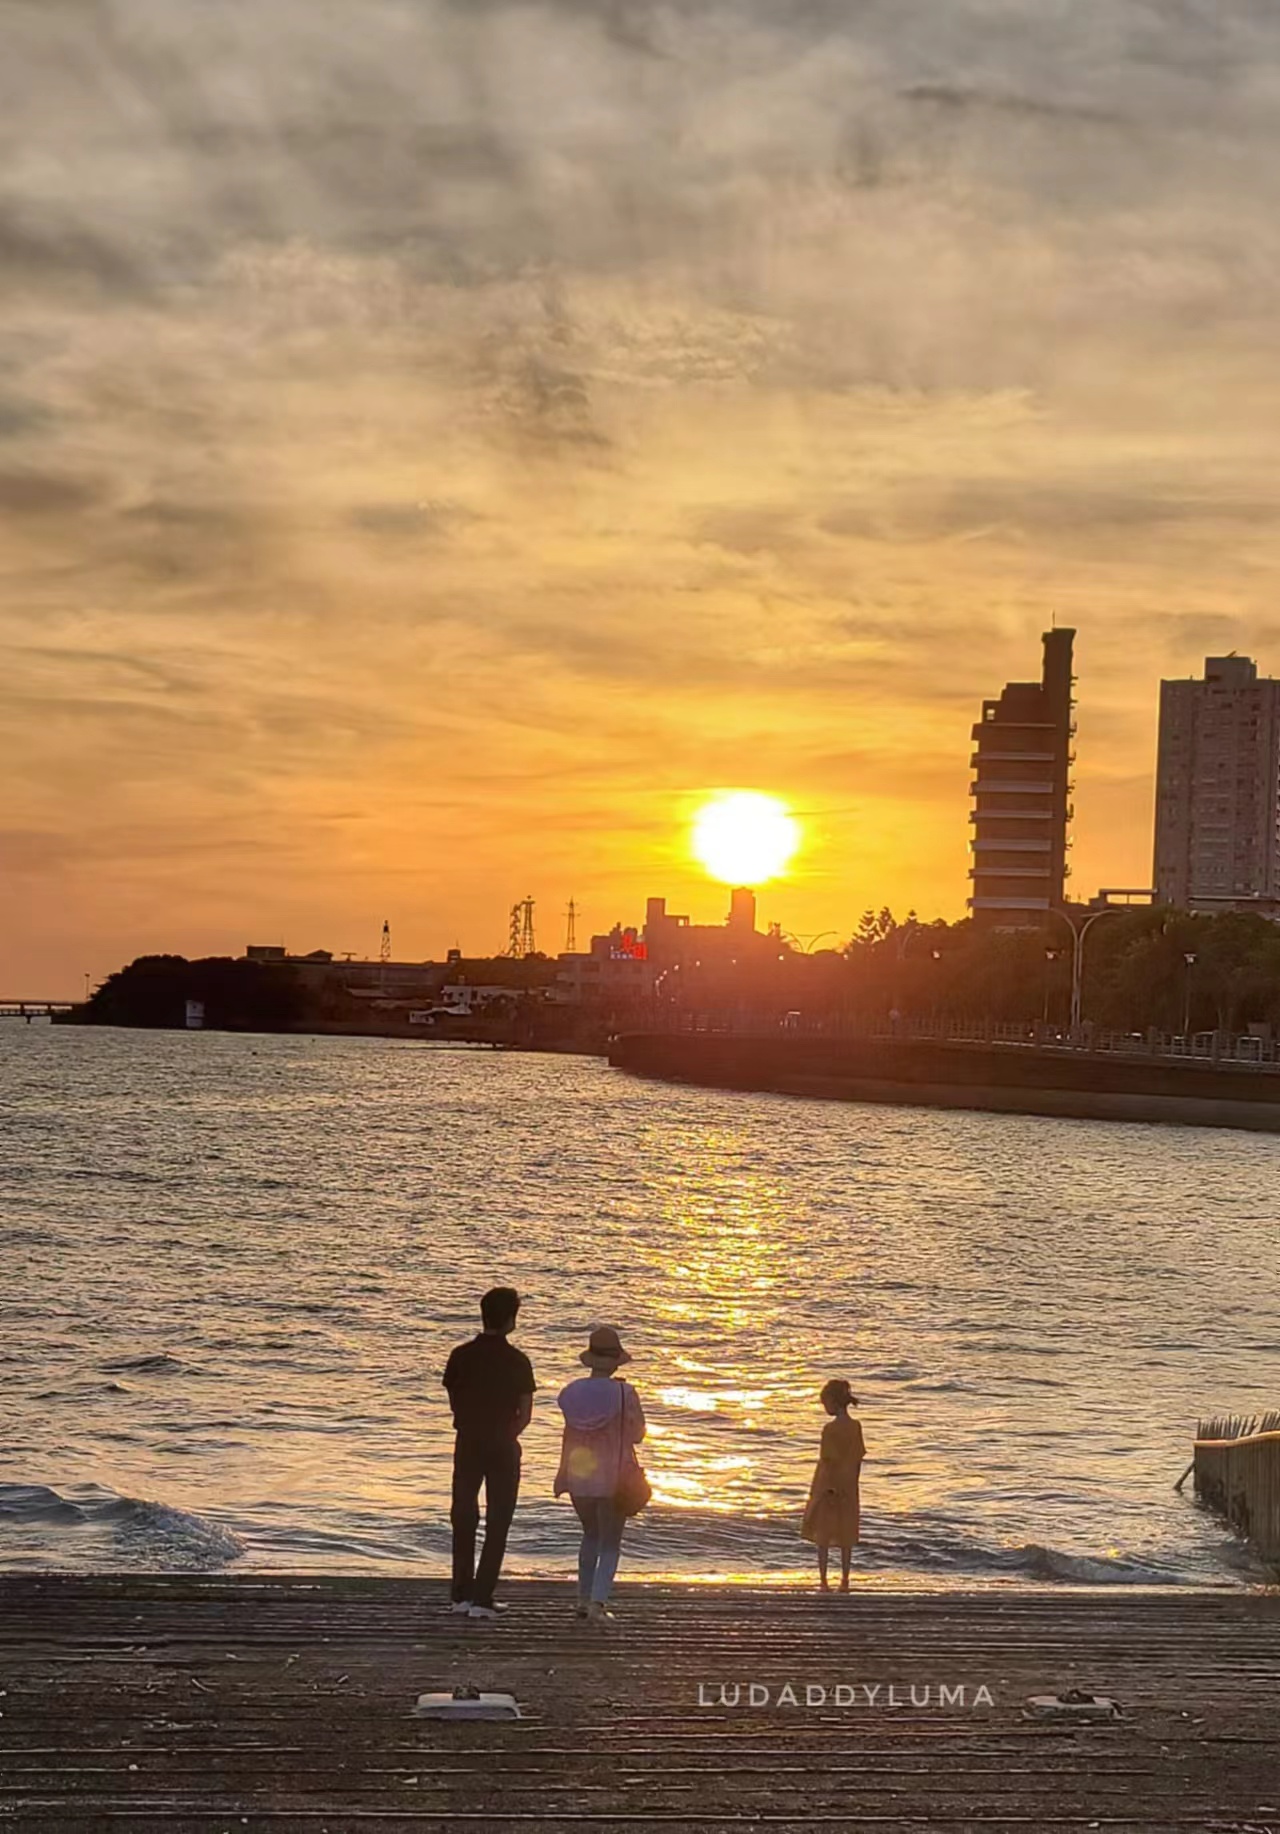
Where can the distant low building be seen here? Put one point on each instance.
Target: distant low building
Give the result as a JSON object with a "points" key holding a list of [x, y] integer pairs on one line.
{"points": [[670, 939], [615, 970], [409, 981], [276, 952], [467, 997], [630, 965]]}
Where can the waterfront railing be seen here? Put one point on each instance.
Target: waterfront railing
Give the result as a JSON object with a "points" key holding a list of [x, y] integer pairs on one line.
{"points": [[1237, 1473], [1199, 1047]]}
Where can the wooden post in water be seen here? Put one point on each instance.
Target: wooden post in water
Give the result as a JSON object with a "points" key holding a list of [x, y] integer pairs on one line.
{"points": [[1237, 1473]]}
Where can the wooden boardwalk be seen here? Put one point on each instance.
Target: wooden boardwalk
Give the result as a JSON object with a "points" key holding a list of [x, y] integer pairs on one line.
{"points": [[218, 1705]]}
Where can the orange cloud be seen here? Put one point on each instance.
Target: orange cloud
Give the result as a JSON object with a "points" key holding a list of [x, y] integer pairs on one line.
{"points": [[438, 443]]}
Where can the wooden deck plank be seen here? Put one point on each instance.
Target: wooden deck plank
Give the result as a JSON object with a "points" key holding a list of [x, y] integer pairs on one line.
{"points": [[285, 1705]]}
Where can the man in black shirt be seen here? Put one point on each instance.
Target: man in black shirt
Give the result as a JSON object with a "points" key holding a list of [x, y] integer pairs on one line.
{"points": [[491, 1389]]}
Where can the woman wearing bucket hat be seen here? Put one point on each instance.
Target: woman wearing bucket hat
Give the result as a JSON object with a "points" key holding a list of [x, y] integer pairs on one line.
{"points": [[603, 1425]]}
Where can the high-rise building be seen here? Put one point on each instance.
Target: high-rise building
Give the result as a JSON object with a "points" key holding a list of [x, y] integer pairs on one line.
{"points": [[1217, 837], [1021, 795]]}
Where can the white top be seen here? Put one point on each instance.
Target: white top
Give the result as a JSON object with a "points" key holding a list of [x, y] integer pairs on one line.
{"points": [[603, 1424]]}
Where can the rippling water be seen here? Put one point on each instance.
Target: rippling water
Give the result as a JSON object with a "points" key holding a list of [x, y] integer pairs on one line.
{"points": [[231, 1270]]}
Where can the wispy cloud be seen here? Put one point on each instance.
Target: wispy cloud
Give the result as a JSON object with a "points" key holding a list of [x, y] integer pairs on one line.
{"points": [[440, 437]]}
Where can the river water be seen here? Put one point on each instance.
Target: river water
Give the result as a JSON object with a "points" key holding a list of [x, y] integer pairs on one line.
{"points": [[231, 1269]]}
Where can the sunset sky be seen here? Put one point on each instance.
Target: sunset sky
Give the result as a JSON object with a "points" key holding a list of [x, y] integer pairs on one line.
{"points": [[441, 443]]}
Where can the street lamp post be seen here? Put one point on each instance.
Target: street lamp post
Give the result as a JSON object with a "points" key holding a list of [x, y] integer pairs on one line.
{"points": [[1078, 934], [1077, 965], [1050, 957], [1190, 959], [809, 944], [903, 939]]}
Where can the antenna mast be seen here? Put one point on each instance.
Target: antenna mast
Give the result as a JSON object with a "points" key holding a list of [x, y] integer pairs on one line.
{"points": [[527, 944], [571, 932]]}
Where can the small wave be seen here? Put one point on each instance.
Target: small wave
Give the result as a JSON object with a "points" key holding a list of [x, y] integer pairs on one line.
{"points": [[943, 1548], [169, 1538], [914, 1548], [36, 1503], [115, 1175], [162, 1364], [82, 1391], [112, 1531], [1089, 1569]]}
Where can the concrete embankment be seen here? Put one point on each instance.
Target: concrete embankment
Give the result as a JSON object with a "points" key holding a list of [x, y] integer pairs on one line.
{"points": [[1012, 1079], [263, 1703]]}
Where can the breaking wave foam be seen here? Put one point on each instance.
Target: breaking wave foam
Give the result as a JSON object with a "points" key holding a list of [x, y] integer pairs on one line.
{"points": [[101, 1529]]}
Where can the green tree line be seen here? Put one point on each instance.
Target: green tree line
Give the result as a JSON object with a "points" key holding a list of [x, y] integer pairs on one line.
{"points": [[1143, 966]]}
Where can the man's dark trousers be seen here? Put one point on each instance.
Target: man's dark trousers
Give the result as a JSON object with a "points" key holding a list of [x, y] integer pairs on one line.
{"points": [[495, 1463]]}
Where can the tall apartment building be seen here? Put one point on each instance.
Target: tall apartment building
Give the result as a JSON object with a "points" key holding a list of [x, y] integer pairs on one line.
{"points": [[1217, 839], [1021, 795]]}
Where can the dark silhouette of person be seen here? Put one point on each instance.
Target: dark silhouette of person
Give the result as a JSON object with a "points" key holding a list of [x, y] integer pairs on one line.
{"points": [[491, 1389]]}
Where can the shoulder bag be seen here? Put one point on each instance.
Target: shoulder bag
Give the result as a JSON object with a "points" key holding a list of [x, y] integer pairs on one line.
{"points": [[634, 1489]]}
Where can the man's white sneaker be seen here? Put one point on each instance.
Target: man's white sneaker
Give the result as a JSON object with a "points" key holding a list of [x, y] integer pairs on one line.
{"points": [[482, 1613], [460, 1607]]}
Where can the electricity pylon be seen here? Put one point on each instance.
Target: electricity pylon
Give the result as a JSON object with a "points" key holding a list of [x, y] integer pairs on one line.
{"points": [[520, 930]]}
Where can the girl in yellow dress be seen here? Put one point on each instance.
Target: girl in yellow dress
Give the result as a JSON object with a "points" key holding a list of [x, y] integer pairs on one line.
{"points": [[832, 1515]]}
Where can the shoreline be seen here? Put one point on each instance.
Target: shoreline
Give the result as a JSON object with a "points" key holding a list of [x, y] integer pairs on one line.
{"points": [[871, 1585]]}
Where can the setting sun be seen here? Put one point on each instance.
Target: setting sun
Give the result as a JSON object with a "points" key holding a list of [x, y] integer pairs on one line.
{"points": [[744, 838]]}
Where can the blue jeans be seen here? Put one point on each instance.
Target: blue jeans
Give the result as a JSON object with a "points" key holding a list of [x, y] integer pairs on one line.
{"points": [[602, 1527]]}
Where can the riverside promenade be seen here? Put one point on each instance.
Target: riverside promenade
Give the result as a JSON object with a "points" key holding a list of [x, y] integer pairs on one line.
{"points": [[1001, 1076], [280, 1705]]}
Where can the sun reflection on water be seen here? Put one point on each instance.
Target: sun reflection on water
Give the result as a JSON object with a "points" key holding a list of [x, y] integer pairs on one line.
{"points": [[718, 1263]]}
